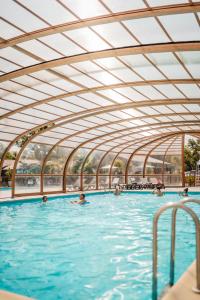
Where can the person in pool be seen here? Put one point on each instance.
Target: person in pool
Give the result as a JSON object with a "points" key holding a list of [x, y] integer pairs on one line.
{"points": [[81, 201], [44, 199], [158, 192], [184, 193], [117, 191]]}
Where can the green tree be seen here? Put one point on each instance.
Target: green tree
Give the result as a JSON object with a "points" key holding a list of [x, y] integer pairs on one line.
{"points": [[191, 154]]}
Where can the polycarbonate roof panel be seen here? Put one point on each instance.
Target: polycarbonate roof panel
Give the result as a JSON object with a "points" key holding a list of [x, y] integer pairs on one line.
{"points": [[165, 2], [51, 11], [121, 5], [182, 27], [87, 39], [17, 15], [147, 31], [77, 98], [62, 44], [115, 34], [93, 8]]}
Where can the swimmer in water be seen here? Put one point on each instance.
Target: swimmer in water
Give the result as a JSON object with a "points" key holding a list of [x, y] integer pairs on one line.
{"points": [[117, 191], [81, 200], [158, 192], [184, 193], [44, 199]]}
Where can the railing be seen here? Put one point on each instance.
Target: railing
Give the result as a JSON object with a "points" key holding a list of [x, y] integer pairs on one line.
{"points": [[195, 218]]}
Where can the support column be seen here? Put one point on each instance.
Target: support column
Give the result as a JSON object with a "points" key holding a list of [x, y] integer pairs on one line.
{"points": [[183, 160]]}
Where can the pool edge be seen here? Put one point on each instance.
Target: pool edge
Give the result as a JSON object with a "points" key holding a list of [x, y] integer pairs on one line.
{"points": [[182, 290]]}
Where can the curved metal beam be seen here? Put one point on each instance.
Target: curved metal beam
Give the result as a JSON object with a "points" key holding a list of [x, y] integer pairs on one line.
{"points": [[153, 48], [7, 149], [163, 165], [94, 112], [160, 136], [102, 125], [151, 141], [96, 148], [115, 17], [97, 89], [148, 154]]}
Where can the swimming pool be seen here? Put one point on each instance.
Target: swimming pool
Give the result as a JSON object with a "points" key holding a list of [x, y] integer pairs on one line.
{"points": [[102, 250]]}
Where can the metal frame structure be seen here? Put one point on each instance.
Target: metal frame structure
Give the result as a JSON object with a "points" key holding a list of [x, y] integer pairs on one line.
{"points": [[102, 95]]}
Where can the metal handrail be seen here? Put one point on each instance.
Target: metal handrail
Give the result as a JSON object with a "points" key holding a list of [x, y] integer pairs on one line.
{"points": [[155, 243], [173, 237]]}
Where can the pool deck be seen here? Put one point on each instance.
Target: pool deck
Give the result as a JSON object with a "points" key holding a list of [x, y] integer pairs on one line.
{"points": [[182, 290]]}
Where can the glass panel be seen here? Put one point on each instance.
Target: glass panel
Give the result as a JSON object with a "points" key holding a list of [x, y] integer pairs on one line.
{"points": [[72, 183], [76, 161], [117, 35], [147, 30], [134, 178], [56, 160], [154, 164], [119, 166], [154, 179], [136, 165], [105, 165], [103, 182], [31, 159], [89, 182], [118, 179], [27, 184], [53, 183], [172, 180], [3, 146], [92, 162]]}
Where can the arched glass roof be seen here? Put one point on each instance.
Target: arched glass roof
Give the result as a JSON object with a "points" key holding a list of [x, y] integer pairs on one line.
{"points": [[101, 75]]}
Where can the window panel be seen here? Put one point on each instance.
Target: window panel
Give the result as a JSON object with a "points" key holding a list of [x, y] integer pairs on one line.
{"points": [[21, 17], [62, 44], [114, 96], [149, 92], [50, 10], [92, 9], [115, 34], [147, 31], [165, 2], [190, 90], [169, 65], [169, 90], [16, 56], [121, 5], [87, 39], [8, 31], [7, 66], [40, 50], [96, 99], [131, 94], [182, 27]]}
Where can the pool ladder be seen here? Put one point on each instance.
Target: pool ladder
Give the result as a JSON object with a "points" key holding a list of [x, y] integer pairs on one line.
{"points": [[175, 207]]}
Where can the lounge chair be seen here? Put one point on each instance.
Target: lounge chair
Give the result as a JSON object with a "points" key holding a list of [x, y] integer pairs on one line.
{"points": [[156, 183], [145, 184], [134, 185]]}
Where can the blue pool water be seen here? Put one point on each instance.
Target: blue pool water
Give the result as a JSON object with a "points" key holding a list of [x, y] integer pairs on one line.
{"points": [[100, 251]]}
